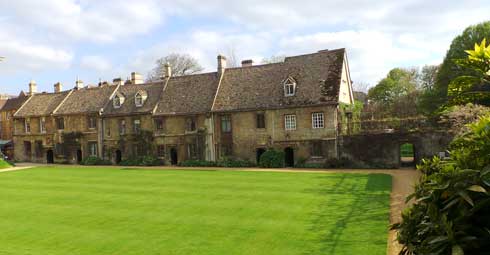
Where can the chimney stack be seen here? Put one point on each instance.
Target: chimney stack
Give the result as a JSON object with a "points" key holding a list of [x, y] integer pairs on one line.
{"points": [[58, 87], [79, 84], [221, 64], [247, 63], [168, 70], [136, 78], [117, 81], [32, 87]]}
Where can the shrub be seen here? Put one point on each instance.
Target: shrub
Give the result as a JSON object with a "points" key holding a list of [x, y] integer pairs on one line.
{"points": [[93, 160], [272, 159], [450, 215], [229, 162], [342, 162], [197, 163], [4, 164], [142, 161]]}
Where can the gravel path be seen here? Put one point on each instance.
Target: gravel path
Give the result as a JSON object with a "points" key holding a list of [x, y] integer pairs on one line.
{"points": [[403, 181]]}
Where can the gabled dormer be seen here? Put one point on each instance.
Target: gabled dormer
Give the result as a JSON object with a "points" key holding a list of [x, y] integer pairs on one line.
{"points": [[140, 98], [118, 100], [289, 87]]}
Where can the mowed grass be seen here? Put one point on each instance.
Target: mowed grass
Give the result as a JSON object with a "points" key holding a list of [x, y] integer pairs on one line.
{"points": [[4, 164], [92, 211]]}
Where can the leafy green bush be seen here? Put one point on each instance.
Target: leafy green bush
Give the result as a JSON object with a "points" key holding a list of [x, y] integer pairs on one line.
{"points": [[452, 208], [142, 161], [4, 164], [93, 161], [272, 159], [341, 162], [229, 162], [197, 163]]}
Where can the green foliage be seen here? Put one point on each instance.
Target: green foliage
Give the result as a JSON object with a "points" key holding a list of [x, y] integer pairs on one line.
{"points": [[272, 159], [352, 111], [452, 202], [341, 162], [449, 69], [229, 162], [197, 163], [476, 87], [142, 161], [4, 164], [93, 161], [398, 82]]}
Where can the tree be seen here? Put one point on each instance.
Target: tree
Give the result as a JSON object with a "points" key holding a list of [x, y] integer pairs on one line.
{"points": [[427, 77], [181, 64], [274, 59], [449, 70], [398, 82], [474, 87]]}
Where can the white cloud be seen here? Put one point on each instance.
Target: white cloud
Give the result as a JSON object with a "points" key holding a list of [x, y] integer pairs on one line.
{"points": [[95, 63]]}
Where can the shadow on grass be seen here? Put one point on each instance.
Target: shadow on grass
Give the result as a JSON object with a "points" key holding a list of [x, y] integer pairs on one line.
{"points": [[342, 226]]}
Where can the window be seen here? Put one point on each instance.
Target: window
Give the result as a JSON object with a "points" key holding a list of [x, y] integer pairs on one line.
{"points": [[161, 150], [117, 101], [107, 127], [190, 124], [138, 100], [38, 148], [27, 125], [27, 149], [290, 122], [160, 124], [226, 123], [289, 87], [191, 151], [42, 125], [60, 123], [316, 149], [58, 148], [136, 126], [92, 122], [92, 148], [317, 120], [260, 120], [122, 127]]}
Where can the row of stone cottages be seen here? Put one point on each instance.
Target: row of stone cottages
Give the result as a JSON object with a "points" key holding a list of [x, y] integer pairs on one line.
{"points": [[234, 112]]}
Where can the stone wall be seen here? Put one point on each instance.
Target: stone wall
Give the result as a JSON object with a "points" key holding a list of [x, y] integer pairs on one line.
{"points": [[383, 150]]}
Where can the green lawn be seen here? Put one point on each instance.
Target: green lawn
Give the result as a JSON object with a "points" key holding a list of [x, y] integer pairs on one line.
{"points": [[4, 164], [123, 211]]}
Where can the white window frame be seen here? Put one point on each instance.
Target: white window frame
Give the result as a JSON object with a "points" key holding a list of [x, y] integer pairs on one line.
{"points": [[92, 148], [138, 100], [27, 126], [290, 122], [42, 125], [317, 120], [289, 87], [116, 102], [136, 123]]}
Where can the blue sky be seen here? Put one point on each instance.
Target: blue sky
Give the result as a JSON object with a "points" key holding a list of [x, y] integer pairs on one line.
{"points": [[58, 40]]}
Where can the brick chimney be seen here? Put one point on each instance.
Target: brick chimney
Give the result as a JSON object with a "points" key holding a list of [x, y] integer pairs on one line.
{"points": [[221, 64], [32, 87], [117, 81], [58, 87], [168, 70], [136, 78], [247, 63], [79, 84]]}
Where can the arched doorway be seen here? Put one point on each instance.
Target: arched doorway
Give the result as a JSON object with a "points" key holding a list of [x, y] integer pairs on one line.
{"points": [[50, 157], [289, 157], [118, 156], [407, 154], [79, 156], [259, 153], [173, 156]]}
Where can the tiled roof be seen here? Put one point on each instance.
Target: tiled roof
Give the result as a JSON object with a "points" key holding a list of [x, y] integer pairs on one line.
{"points": [[317, 77], [86, 100], [129, 91], [42, 104], [188, 94], [14, 103]]}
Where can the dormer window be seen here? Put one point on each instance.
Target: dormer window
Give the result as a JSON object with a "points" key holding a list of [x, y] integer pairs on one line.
{"points": [[140, 97], [289, 87], [117, 101], [138, 100]]}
